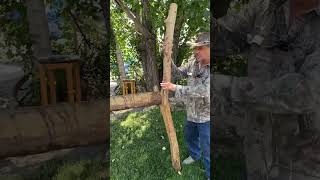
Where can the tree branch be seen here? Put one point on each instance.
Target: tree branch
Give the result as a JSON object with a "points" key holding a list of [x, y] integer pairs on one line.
{"points": [[79, 29], [137, 23]]}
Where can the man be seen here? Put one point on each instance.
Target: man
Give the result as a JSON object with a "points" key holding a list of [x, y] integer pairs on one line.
{"points": [[196, 96], [280, 97]]}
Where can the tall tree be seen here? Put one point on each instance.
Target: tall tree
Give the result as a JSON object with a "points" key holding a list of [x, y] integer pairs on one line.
{"points": [[38, 27], [119, 56], [192, 17], [147, 45]]}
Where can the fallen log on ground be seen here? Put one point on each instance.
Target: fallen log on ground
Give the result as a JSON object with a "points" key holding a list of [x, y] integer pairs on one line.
{"points": [[33, 130], [134, 101]]}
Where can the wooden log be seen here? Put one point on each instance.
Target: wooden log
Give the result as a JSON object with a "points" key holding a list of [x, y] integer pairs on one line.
{"points": [[134, 101], [38, 129], [165, 107]]}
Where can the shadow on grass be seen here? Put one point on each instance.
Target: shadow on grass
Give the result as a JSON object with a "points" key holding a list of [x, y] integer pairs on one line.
{"points": [[140, 149]]}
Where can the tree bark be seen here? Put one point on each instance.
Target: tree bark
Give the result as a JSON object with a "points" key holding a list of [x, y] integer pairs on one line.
{"points": [[119, 57], [147, 52], [75, 39], [105, 5], [38, 28], [137, 23], [120, 61], [176, 37], [33, 130], [165, 107], [134, 101]]}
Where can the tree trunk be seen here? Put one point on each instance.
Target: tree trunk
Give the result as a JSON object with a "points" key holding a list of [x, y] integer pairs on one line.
{"points": [[120, 61], [38, 28], [134, 101], [105, 5], [33, 130], [119, 56], [75, 39], [147, 52], [149, 44], [176, 38], [165, 107]]}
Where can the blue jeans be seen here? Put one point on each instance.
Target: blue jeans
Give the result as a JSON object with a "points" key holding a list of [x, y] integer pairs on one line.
{"points": [[197, 134]]}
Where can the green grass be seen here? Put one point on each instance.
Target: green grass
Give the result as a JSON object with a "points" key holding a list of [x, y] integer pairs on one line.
{"points": [[136, 151], [140, 148]]}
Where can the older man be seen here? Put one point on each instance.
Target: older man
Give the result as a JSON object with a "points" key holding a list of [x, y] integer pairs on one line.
{"points": [[196, 95]]}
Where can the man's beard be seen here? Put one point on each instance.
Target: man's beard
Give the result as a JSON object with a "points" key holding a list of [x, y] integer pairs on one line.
{"points": [[201, 60], [198, 59]]}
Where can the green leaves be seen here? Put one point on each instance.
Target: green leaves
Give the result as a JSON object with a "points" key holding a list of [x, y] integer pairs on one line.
{"points": [[15, 43], [194, 16]]}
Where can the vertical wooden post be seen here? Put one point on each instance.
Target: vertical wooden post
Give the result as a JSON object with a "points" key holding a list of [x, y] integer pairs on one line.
{"points": [[134, 87], [52, 86], [123, 88], [126, 88], [76, 71], [69, 78], [165, 107], [43, 85]]}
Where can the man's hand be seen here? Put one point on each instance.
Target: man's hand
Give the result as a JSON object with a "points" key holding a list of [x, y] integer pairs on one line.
{"points": [[168, 85]]}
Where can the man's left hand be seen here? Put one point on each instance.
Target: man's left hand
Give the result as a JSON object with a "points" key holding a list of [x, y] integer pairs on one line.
{"points": [[168, 85]]}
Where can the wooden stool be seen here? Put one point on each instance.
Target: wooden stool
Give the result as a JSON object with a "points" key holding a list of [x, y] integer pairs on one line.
{"points": [[71, 66], [128, 83]]}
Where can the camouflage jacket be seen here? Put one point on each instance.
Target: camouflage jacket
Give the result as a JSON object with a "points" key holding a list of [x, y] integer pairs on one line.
{"points": [[282, 85], [283, 60], [196, 95]]}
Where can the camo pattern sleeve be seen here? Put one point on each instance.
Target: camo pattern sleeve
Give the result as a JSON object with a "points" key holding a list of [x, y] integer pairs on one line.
{"points": [[180, 72], [196, 94]]}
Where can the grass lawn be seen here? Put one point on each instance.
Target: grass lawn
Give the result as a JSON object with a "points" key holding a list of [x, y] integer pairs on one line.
{"points": [[140, 148]]}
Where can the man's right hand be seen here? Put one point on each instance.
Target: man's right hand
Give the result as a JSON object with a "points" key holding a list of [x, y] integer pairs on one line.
{"points": [[168, 85]]}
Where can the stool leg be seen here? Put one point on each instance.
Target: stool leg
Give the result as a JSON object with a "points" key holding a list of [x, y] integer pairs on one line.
{"points": [[77, 79], [52, 85], [43, 85], [70, 83], [126, 89], [131, 88], [123, 88], [134, 88]]}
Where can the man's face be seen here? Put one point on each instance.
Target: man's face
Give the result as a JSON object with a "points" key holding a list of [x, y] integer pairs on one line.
{"points": [[202, 54]]}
